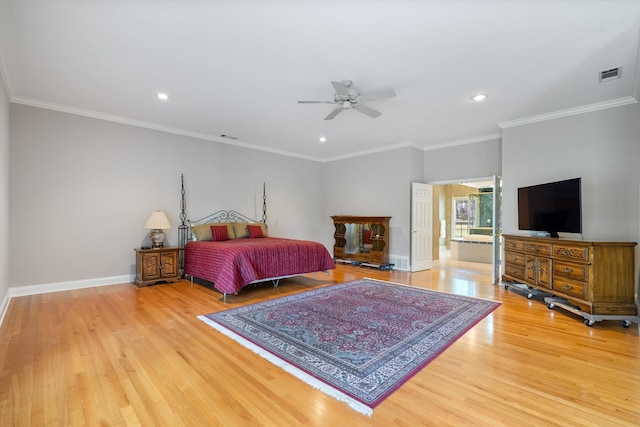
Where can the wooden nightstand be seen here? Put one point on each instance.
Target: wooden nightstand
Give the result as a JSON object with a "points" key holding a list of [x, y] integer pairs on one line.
{"points": [[156, 265]]}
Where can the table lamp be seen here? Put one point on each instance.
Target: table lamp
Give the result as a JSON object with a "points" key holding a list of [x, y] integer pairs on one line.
{"points": [[157, 222]]}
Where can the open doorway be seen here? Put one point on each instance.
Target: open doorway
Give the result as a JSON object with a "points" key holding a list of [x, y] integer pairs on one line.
{"points": [[465, 213]]}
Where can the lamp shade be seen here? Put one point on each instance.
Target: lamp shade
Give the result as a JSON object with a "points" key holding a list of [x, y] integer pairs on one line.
{"points": [[157, 221]]}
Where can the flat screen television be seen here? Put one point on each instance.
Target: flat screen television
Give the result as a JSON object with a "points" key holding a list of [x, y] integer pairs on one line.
{"points": [[552, 207]]}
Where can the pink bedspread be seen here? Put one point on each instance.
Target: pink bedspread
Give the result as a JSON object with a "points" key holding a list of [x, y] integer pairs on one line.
{"points": [[233, 264]]}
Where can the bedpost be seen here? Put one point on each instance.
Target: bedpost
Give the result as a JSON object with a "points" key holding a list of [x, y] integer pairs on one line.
{"points": [[264, 203], [182, 228]]}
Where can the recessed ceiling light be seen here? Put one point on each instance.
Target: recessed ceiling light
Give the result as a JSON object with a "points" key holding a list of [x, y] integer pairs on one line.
{"points": [[479, 97], [163, 96], [323, 139]]}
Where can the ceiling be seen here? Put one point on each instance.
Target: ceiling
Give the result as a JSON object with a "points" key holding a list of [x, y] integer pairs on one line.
{"points": [[238, 68]]}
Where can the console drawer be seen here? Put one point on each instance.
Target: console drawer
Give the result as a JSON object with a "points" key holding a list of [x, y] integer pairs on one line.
{"points": [[516, 245], [538, 248], [514, 257], [515, 271], [569, 287], [573, 253], [571, 271]]}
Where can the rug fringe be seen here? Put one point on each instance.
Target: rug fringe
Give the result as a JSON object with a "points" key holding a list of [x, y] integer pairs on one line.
{"points": [[298, 373]]}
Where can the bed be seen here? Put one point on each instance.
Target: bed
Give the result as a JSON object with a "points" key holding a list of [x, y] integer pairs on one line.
{"points": [[232, 251]]}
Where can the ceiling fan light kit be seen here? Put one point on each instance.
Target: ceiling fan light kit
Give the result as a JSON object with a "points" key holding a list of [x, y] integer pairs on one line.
{"points": [[347, 98]]}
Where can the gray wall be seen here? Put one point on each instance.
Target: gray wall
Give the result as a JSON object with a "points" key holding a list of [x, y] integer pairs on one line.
{"points": [[374, 184], [4, 199], [416, 165], [601, 147], [81, 190], [462, 162]]}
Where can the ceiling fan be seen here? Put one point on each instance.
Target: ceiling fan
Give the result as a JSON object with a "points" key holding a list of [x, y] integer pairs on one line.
{"points": [[346, 98]]}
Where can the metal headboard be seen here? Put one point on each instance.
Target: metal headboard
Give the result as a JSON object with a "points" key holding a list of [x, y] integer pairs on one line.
{"points": [[223, 216], [219, 216]]}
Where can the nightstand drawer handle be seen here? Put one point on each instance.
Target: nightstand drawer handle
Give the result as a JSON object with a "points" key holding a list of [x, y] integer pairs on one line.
{"points": [[567, 287], [567, 270], [536, 248], [513, 270]]}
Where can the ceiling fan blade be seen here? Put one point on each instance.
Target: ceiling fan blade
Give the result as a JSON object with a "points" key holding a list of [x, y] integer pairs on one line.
{"points": [[334, 113], [383, 94], [340, 88], [316, 102], [366, 110]]}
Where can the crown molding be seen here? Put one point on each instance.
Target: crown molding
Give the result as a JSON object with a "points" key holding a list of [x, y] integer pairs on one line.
{"points": [[482, 138], [152, 126], [372, 151], [569, 112], [237, 143], [183, 132]]}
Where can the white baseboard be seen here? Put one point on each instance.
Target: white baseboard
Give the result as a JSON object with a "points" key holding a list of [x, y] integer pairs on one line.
{"points": [[4, 306], [20, 291]]}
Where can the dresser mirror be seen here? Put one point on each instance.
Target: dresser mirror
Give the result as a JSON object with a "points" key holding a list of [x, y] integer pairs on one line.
{"points": [[357, 238], [362, 239]]}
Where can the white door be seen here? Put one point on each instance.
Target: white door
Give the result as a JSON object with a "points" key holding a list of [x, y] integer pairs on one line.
{"points": [[421, 226], [497, 229]]}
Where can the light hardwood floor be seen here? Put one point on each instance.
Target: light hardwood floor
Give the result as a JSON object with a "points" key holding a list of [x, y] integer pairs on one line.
{"points": [[121, 355]]}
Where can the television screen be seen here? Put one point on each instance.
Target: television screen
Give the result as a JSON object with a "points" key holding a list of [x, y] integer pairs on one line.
{"points": [[552, 207]]}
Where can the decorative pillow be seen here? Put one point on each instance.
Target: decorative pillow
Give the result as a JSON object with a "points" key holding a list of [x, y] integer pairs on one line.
{"points": [[263, 226], [219, 233], [241, 229], [203, 231], [255, 231], [230, 234]]}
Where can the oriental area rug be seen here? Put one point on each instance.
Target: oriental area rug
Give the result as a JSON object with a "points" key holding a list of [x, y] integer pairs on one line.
{"points": [[356, 341]]}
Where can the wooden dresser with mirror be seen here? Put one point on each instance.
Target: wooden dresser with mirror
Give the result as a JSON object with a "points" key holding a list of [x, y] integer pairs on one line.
{"points": [[362, 239]]}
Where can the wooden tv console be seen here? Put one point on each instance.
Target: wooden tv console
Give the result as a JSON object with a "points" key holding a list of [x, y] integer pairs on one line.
{"points": [[590, 278]]}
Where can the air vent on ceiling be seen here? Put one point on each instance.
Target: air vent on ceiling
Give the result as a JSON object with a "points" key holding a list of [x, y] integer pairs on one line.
{"points": [[610, 74]]}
